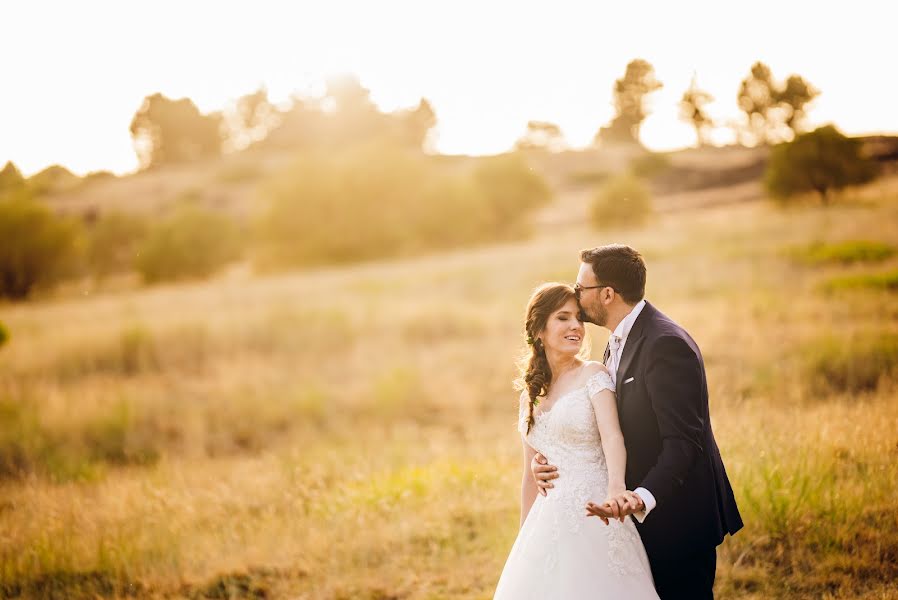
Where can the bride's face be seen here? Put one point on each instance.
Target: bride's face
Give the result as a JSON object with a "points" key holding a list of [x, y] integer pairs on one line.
{"points": [[564, 331]]}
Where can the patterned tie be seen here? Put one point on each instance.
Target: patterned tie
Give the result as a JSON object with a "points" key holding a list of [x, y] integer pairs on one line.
{"points": [[613, 356]]}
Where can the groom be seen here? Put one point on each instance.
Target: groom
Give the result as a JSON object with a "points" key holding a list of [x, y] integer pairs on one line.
{"points": [[680, 496]]}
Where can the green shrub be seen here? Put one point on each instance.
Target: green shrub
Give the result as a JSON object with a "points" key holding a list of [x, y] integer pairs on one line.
{"points": [[4, 334], [113, 243], [239, 172], [116, 439], [192, 243], [875, 281], [510, 187], [380, 201], [851, 364], [588, 177], [36, 246], [29, 447], [622, 202], [650, 165], [821, 161], [846, 252]]}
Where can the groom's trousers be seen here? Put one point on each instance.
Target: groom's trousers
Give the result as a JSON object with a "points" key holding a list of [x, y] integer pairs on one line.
{"points": [[689, 578]]}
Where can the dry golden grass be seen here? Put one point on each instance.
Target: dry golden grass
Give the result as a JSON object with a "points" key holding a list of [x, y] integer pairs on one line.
{"points": [[349, 432]]}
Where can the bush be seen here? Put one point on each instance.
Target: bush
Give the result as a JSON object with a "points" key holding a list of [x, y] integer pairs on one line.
{"points": [[36, 247], [239, 172], [113, 243], [820, 161], [845, 253], [510, 186], [588, 177], [192, 243], [622, 202], [28, 447], [875, 281], [650, 165], [4, 334], [851, 364], [379, 201]]}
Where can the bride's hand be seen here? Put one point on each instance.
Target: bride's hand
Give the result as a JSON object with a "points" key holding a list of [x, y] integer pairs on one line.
{"points": [[598, 510], [602, 511], [615, 506], [623, 504]]}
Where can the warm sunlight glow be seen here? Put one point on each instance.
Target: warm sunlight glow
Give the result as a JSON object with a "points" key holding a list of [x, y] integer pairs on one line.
{"points": [[487, 67]]}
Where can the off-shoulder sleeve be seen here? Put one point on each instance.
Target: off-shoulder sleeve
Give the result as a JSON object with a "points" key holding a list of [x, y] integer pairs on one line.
{"points": [[598, 382]]}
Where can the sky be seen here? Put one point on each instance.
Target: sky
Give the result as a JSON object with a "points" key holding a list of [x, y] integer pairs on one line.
{"points": [[74, 73]]}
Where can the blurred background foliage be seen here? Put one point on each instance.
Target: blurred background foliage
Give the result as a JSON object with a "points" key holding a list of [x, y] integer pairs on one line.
{"points": [[276, 361]]}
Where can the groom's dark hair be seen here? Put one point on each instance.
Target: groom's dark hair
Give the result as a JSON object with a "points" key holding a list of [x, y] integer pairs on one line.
{"points": [[619, 266]]}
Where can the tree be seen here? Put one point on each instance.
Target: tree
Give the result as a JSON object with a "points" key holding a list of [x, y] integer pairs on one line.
{"points": [[249, 119], [344, 116], [11, 178], [170, 131], [348, 95], [775, 111], [692, 110], [542, 135], [756, 99], [630, 92], [794, 97], [416, 125], [54, 178], [822, 161]]}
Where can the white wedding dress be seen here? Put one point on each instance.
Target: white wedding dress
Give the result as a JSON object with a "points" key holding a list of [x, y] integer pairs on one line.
{"points": [[560, 553]]}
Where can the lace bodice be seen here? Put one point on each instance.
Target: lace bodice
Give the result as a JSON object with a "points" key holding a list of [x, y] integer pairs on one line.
{"points": [[568, 436]]}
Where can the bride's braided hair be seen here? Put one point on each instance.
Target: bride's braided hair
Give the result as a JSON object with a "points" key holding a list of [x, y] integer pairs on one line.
{"points": [[536, 376]]}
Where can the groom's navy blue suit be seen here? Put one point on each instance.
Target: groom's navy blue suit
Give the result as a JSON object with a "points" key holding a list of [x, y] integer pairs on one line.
{"points": [[662, 397]]}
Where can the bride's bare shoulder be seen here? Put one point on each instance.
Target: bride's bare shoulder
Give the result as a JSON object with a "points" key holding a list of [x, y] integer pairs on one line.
{"points": [[591, 367]]}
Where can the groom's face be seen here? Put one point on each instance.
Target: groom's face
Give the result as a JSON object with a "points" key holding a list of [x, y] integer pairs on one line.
{"points": [[591, 308]]}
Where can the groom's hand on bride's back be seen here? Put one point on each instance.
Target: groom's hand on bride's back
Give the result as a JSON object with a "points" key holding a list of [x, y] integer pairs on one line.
{"points": [[542, 473]]}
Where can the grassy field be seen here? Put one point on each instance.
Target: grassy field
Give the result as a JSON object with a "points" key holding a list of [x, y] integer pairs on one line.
{"points": [[350, 432]]}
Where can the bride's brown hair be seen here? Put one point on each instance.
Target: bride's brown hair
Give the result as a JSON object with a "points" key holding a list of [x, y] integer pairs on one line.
{"points": [[536, 376]]}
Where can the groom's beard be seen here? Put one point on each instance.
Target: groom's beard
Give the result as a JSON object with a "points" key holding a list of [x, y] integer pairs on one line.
{"points": [[597, 315]]}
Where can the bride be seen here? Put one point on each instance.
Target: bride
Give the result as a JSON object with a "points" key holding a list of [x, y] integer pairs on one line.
{"points": [[568, 413]]}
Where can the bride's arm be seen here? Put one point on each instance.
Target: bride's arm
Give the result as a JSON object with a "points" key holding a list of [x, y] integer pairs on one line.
{"points": [[604, 404], [528, 486]]}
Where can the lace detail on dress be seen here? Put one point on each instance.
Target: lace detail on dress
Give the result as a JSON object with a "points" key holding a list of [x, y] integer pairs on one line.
{"points": [[598, 382], [624, 547], [558, 546], [568, 436]]}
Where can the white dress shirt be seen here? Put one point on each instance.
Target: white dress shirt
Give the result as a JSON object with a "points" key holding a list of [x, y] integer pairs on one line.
{"points": [[621, 332]]}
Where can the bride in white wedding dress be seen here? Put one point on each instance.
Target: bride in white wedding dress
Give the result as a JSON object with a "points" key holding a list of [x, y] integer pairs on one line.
{"points": [[560, 552]]}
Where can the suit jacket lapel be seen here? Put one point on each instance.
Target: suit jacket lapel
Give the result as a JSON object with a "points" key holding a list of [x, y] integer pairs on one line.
{"points": [[629, 352], [634, 341]]}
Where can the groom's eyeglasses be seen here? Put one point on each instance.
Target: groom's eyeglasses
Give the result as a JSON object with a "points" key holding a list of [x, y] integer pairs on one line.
{"points": [[578, 289]]}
